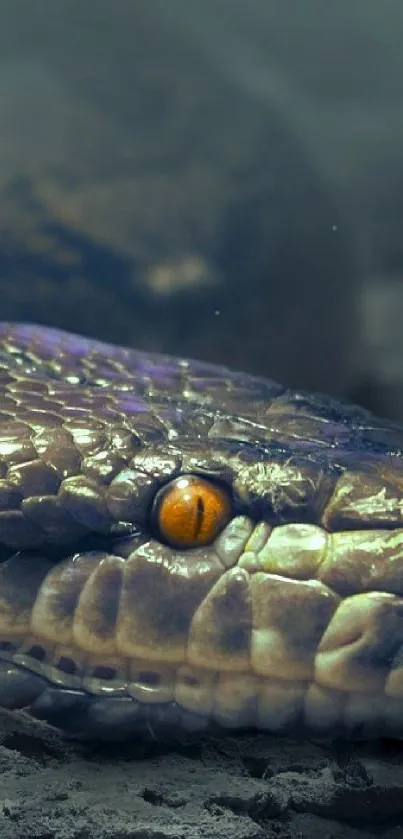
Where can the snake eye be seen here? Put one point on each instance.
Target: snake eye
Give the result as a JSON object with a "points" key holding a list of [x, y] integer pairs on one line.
{"points": [[190, 511]]}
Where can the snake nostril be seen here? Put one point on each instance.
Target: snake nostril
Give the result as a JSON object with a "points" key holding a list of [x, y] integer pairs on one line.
{"points": [[66, 665], [104, 672], [7, 646], [149, 678], [37, 652]]}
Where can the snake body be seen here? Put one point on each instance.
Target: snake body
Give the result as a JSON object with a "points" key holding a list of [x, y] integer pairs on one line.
{"points": [[291, 619]]}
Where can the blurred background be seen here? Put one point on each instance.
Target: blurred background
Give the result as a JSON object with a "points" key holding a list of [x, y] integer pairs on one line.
{"points": [[220, 179]]}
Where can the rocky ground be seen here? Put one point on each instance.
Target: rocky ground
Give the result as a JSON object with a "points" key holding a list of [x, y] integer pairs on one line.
{"points": [[245, 787]]}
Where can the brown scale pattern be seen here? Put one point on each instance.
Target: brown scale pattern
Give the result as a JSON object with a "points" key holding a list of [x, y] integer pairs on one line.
{"points": [[295, 613]]}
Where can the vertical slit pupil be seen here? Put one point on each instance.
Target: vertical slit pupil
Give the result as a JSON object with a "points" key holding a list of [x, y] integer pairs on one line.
{"points": [[199, 516]]}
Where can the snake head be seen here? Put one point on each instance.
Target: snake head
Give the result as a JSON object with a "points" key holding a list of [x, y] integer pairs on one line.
{"points": [[184, 547]]}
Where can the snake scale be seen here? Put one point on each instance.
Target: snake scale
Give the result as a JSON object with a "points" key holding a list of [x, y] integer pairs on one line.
{"points": [[184, 547]]}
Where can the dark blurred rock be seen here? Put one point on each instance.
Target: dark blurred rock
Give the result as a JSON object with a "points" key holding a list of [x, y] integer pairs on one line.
{"points": [[146, 199]]}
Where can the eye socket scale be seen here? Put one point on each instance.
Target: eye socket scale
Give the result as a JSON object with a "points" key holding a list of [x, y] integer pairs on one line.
{"points": [[190, 511]]}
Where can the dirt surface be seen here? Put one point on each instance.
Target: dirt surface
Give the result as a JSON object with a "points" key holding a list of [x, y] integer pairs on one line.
{"points": [[245, 787]]}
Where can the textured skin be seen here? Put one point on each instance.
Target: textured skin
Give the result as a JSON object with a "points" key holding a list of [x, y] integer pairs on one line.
{"points": [[291, 620]]}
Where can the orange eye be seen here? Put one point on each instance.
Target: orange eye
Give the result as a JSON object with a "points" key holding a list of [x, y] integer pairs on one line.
{"points": [[191, 511]]}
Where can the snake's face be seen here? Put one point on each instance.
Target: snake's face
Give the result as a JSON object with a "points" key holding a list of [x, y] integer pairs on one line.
{"points": [[184, 547]]}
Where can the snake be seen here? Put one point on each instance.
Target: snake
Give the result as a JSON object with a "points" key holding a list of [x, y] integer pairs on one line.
{"points": [[184, 548]]}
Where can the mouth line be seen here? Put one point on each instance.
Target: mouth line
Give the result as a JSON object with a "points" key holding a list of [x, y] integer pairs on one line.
{"points": [[195, 702]]}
